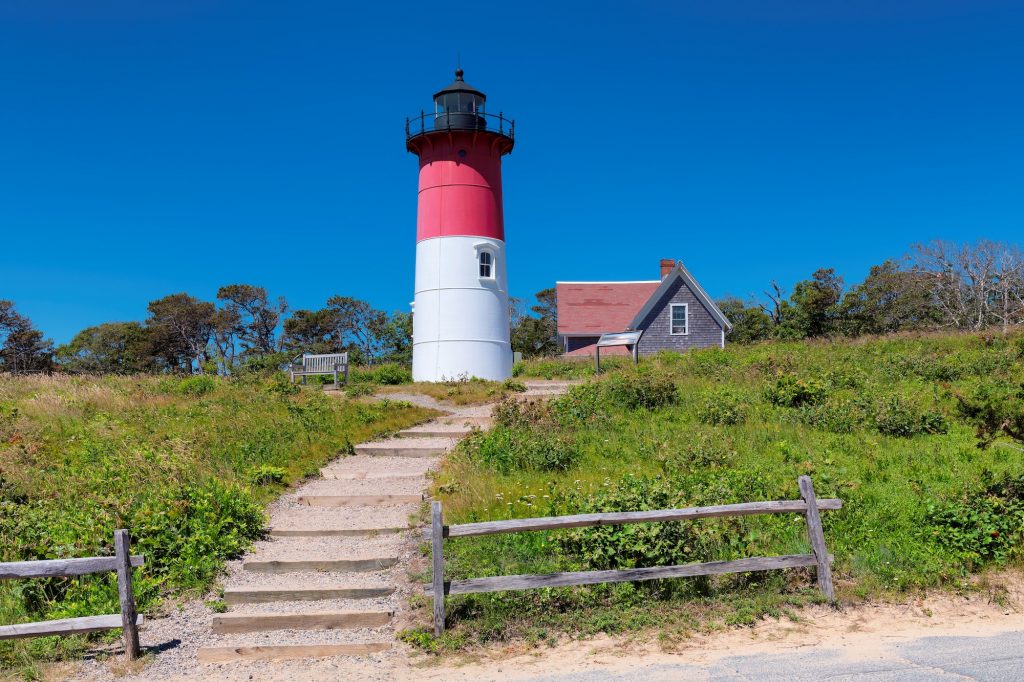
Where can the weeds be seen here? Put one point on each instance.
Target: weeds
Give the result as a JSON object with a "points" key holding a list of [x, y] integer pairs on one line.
{"points": [[889, 425], [185, 464]]}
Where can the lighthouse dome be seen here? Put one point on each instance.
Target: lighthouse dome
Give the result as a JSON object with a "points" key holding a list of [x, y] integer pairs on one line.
{"points": [[459, 106]]}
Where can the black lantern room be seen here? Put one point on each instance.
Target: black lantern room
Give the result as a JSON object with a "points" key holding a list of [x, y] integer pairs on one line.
{"points": [[459, 106]]}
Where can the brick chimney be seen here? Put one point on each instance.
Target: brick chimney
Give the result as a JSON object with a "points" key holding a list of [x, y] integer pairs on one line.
{"points": [[666, 266]]}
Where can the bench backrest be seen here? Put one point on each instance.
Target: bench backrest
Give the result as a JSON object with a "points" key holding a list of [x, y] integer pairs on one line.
{"points": [[324, 363]]}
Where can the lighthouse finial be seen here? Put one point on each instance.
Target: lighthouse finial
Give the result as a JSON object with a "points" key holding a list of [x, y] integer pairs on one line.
{"points": [[458, 74]]}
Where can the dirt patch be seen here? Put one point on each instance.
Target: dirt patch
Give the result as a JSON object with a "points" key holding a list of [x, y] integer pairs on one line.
{"points": [[859, 631]]}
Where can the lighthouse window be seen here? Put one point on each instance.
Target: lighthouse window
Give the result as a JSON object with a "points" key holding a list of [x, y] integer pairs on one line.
{"points": [[486, 264]]}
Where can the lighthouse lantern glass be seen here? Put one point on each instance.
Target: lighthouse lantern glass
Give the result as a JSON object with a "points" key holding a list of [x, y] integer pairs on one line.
{"points": [[458, 102]]}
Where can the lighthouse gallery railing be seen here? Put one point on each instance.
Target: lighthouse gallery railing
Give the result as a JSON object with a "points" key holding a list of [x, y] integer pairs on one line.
{"points": [[459, 120]]}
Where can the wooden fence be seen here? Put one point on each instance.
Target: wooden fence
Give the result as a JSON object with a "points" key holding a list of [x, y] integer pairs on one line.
{"points": [[809, 506], [122, 562]]}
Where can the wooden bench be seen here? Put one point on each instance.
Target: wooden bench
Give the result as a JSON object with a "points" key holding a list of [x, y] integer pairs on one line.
{"points": [[327, 363]]}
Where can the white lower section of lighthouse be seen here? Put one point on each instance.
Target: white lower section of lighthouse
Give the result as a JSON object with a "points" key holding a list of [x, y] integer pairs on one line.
{"points": [[460, 316]]}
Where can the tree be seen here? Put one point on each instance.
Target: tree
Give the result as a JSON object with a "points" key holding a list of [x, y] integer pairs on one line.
{"points": [[180, 331], [227, 327], [891, 298], [255, 316], [812, 306], [750, 322], [22, 346], [311, 331], [396, 338], [359, 327], [109, 348], [974, 285], [536, 335]]}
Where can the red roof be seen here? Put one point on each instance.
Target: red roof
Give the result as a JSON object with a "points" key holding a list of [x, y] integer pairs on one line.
{"points": [[599, 307]]}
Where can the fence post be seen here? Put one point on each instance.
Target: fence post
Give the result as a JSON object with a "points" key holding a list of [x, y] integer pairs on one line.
{"points": [[122, 551], [817, 537], [437, 553]]}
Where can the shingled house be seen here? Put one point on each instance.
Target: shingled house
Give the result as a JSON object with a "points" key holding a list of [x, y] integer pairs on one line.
{"points": [[674, 313]]}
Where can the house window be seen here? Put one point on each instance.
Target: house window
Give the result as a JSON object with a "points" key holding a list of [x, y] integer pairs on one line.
{"points": [[680, 319], [486, 265]]}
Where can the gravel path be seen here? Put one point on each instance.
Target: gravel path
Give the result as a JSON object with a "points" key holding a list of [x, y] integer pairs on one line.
{"points": [[175, 638]]}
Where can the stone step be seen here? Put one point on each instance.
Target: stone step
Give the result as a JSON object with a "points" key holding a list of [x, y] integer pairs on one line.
{"points": [[358, 500], [261, 595], [230, 623], [437, 432], [331, 532], [338, 565], [397, 449], [329, 475], [228, 654], [455, 420]]}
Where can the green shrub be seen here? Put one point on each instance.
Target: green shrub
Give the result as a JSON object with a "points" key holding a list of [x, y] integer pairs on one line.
{"points": [[390, 374], [704, 452], [994, 409], [514, 386], [266, 474], [791, 391], [197, 385], [662, 544], [706, 362], [896, 416], [579, 404], [723, 407], [358, 390], [836, 415], [504, 449], [387, 374], [985, 525], [640, 390]]}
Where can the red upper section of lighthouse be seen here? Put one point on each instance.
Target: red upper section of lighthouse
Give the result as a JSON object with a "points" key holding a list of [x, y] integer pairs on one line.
{"points": [[460, 187], [460, 148]]}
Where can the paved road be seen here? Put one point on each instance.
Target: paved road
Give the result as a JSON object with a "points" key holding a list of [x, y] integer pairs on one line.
{"points": [[998, 658]]}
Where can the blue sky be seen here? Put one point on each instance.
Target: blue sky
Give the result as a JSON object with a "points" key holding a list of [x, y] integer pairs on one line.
{"points": [[176, 145]]}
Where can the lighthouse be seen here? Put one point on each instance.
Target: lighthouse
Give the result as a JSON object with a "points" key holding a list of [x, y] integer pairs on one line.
{"points": [[460, 310]]}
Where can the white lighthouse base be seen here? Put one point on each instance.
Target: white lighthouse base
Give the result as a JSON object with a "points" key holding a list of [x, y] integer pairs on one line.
{"points": [[460, 319]]}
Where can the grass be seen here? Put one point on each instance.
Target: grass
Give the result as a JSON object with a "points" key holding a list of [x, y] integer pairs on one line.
{"points": [[873, 421], [185, 464]]}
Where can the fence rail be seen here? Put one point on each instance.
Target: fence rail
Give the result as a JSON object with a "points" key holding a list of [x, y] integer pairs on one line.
{"points": [[121, 563], [809, 506]]}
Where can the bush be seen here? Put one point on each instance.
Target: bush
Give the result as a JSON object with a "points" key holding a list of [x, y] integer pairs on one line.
{"points": [[791, 391], [705, 452], [994, 410], [265, 474], [636, 390], [985, 525], [835, 415], [896, 416], [197, 385], [528, 449], [513, 385], [724, 407], [358, 390], [662, 544], [391, 375], [578, 405]]}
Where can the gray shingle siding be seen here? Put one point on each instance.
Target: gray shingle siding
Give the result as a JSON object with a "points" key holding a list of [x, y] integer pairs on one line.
{"points": [[704, 330]]}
